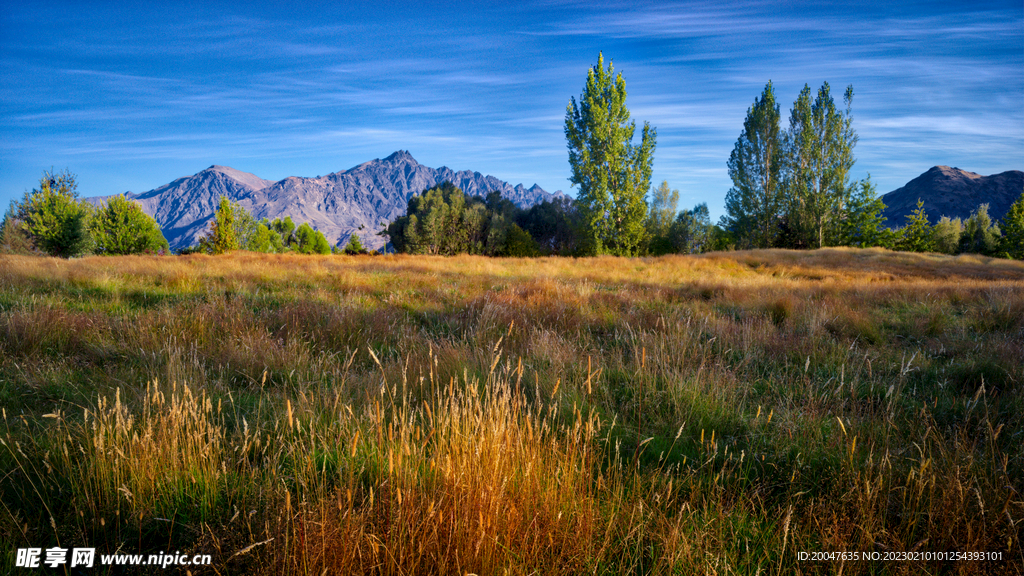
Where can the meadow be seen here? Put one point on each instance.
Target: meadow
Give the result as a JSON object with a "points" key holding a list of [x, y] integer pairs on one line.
{"points": [[714, 414]]}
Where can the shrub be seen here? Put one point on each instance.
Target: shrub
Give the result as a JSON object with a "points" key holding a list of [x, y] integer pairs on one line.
{"points": [[354, 246], [54, 218], [121, 227]]}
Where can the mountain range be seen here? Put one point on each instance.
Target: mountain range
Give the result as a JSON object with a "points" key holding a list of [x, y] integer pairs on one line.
{"points": [[365, 197], [359, 199], [955, 193]]}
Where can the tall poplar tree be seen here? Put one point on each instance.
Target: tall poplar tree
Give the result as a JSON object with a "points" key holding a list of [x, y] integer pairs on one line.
{"points": [[613, 175], [754, 203], [820, 146]]}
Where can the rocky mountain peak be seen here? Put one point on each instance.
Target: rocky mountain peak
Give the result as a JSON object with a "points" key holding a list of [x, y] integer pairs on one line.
{"points": [[401, 156]]}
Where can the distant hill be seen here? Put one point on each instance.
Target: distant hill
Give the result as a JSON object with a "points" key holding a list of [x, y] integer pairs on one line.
{"points": [[337, 204], [955, 193]]}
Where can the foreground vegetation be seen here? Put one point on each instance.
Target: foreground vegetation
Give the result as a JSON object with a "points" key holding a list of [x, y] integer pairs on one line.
{"points": [[709, 414]]}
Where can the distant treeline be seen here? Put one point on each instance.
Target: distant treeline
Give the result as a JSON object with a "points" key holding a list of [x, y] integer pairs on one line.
{"points": [[443, 220], [235, 228], [52, 220]]}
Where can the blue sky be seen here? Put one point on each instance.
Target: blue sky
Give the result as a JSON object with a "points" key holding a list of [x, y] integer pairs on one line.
{"points": [[130, 96]]}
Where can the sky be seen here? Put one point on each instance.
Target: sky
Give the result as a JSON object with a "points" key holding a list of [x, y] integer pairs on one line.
{"points": [[130, 96]]}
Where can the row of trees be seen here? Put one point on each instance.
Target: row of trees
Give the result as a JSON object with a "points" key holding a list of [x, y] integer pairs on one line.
{"points": [[979, 234], [235, 228], [443, 220], [53, 220], [792, 188]]}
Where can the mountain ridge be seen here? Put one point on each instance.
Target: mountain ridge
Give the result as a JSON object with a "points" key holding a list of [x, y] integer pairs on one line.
{"points": [[338, 204]]}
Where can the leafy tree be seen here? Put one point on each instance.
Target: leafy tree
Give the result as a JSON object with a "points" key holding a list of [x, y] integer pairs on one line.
{"points": [[354, 246], [864, 226], [223, 236], [980, 235], [121, 227], [1011, 245], [438, 222], [917, 235], [552, 225], [311, 241], [273, 237], [613, 175], [946, 234], [253, 235], [755, 201], [820, 146], [285, 230], [262, 239], [54, 218], [661, 214], [692, 232], [519, 243]]}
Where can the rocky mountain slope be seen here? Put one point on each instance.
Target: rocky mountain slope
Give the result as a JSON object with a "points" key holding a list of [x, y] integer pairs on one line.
{"points": [[955, 193], [337, 204]]}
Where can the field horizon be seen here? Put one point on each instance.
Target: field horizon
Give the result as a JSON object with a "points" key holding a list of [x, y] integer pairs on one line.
{"points": [[718, 413]]}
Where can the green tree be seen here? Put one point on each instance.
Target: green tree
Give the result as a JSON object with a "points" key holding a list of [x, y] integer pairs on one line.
{"points": [[613, 175], [222, 236], [54, 218], [864, 225], [121, 227], [519, 243], [820, 146], [980, 235], [311, 241], [1011, 245], [552, 225], [661, 214], [946, 234], [692, 232], [285, 230], [438, 221], [354, 246], [917, 235], [754, 204]]}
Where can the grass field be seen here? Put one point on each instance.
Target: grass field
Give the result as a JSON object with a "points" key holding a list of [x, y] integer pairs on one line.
{"points": [[717, 414]]}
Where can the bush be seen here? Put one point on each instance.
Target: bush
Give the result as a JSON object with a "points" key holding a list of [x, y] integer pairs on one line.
{"points": [[54, 218], [223, 236], [354, 246], [980, 235], [312, 241], [121, 227]]}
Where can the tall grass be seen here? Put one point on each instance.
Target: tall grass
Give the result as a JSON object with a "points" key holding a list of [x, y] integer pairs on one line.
{"points": [[395, 415]]}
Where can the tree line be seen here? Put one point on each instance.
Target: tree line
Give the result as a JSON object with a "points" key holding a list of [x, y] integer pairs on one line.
{"points": [[53, 220], [792, 189]]}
